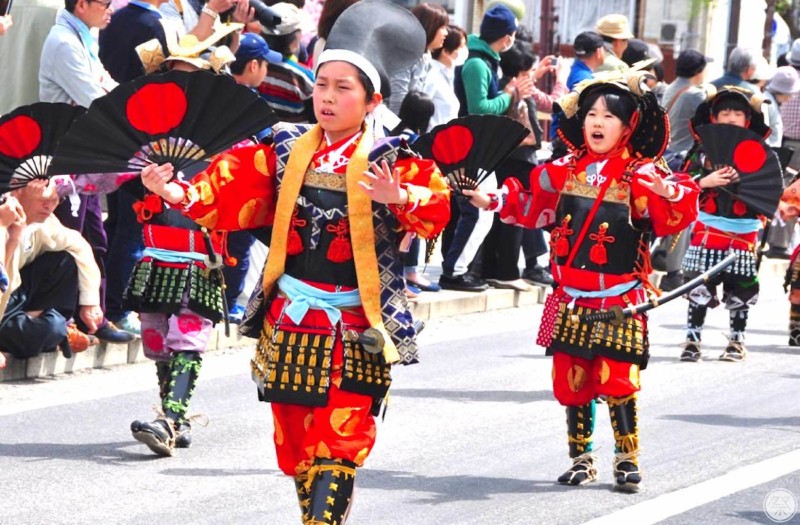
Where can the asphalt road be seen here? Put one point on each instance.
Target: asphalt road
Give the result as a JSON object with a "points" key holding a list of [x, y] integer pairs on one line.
{"points": [[472, 436]]}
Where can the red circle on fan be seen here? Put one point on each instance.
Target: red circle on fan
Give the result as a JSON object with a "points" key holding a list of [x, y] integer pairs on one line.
{"points": [[20, 136], [157, 108], [749, 156], [452, 145]]}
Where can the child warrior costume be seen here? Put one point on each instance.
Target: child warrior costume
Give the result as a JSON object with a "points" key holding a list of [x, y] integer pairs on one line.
{"points": [[725, 224], [604, 208], [790, 207], [332, 314]]}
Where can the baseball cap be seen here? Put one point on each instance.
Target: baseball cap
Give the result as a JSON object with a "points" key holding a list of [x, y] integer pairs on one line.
{"points": [[690, 62], [252, 46], [587, 43]]}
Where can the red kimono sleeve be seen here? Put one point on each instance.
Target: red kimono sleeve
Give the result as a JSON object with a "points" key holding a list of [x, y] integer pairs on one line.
{"points": [[534, 208], [668, 216], [428, 208], [235, 192]]}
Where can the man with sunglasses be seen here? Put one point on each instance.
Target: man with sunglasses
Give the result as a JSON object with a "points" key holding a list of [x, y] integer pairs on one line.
{"points": [[70, 71]]}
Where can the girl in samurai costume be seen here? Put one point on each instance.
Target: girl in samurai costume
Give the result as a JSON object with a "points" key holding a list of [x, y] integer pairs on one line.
{"points": [[725, 224], [334, 313], [603, 199]]}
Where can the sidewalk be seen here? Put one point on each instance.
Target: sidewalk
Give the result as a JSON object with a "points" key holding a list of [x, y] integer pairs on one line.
{"points": [[426, 307]]}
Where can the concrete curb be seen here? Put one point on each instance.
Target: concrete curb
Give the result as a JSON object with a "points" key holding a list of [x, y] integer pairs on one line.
{"points": [[426, 307]]}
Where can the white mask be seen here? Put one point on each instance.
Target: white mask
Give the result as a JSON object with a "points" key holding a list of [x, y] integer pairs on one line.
{"points": [[461, 56]]}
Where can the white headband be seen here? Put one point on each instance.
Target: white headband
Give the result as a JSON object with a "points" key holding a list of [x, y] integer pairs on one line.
{"points": [[345, 55]]}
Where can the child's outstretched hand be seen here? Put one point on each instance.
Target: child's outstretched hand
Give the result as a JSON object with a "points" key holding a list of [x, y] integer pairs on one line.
{"points": [[722, 177], [384, 185], [657, 184], [477, 198]]}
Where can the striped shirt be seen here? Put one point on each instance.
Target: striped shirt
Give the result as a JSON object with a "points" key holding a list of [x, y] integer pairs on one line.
{"points": [[287, 89]]}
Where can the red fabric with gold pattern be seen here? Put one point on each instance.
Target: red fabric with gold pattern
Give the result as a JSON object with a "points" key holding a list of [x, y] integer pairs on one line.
{"points": [[344, 428], [428, 208], [236, 192], [576, 381]]}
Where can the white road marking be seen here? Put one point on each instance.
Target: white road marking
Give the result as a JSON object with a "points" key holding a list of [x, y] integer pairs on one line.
{"points": [[682, 500]]}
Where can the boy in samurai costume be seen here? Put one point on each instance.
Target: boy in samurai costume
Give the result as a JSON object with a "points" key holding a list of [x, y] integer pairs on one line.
{"points": [[177, 285], [724, 225], [604, 199], [334, 313], [789, 207]]}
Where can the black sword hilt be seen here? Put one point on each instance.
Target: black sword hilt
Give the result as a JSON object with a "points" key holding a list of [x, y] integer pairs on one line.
{"points": [[614, 315]]}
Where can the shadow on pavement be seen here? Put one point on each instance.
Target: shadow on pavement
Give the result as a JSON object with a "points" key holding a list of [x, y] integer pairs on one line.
{"points": [[513, 396], [209, 472], [100, 453], [446, 489], [752, 516], [735, 421]]}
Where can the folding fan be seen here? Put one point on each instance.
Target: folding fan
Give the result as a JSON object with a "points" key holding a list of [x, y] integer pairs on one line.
{"points": [[178, 117], [469, 149], [760, 176], [28, 139]]}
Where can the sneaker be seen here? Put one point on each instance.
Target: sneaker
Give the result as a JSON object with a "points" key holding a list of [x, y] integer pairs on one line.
{"points": [[627, 476], [159, 435], [734, 352], [466, 283], [581, 472], [236, 314], [111, 334], [517, 284], [131, 324], [691, 351], [671, 281], [538, 276]]}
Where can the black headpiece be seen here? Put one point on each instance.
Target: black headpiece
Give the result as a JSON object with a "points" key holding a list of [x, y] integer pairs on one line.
{"points": [[650, 125], [714, 97], [377, 37]]}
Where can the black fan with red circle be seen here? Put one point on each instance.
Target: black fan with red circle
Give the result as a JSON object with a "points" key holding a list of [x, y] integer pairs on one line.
{"points": [[469, 149], [28, 139], [177, 117], [760, 183]]}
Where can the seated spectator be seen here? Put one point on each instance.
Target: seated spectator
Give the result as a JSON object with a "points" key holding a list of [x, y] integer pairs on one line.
{"points": [[289, 85], [51, 268]]}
